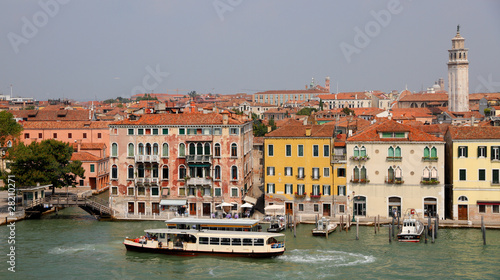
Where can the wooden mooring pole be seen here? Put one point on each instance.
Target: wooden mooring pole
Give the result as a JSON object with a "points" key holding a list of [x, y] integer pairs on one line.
{"points": [[375, 224], [483, 229], [392, 226], [426, 229], [378, 223], [433, 231], [390, 229], [357, 228], [341, 221]]}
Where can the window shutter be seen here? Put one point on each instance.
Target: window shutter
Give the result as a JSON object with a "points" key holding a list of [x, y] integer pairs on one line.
{"points": [[478, 151], [492, 153], [466, 151]]}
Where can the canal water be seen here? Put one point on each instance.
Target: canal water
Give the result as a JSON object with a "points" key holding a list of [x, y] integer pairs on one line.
{"points": [[72, 245]]}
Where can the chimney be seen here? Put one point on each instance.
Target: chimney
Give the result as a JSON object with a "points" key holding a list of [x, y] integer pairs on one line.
{"points": [[308, 131], [192, 107], [225, 117], [78, 145]]}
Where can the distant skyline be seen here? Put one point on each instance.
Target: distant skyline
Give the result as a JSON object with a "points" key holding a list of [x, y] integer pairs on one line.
{"points": [[86, 50]]}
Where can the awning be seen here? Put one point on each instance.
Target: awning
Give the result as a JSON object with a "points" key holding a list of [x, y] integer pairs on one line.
{"points": [[174, 202], [484, 202], [250, 199]]}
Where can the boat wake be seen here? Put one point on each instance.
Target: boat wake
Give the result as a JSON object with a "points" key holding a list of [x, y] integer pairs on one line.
{"points": [[73, 250], [330, 257]]}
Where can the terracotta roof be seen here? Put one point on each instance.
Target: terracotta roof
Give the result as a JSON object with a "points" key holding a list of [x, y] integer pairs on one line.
{"points": [[300, 131], [300, 91], [65, 125], [425, 97], [410, 112], [84, 156], [371, 134], [287, 121], [258, 140], [178, 119], [89, 146], [52, 115], [474, 132]]}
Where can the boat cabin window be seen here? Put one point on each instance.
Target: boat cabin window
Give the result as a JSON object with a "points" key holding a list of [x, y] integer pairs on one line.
{"points": [[236, 242], [214, 241], [204, 240], [271, 240], [247, 242], [225, 241], [258, 242]]}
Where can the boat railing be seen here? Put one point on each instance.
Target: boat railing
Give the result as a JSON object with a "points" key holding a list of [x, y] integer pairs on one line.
{"points": [[278, 245]]}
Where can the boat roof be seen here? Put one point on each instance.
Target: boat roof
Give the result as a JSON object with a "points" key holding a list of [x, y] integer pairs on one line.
{"points": [[216, 233], [213, 222]]}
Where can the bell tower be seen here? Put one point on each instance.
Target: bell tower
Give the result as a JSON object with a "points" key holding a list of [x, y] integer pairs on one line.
{"points": [[458, 75]]}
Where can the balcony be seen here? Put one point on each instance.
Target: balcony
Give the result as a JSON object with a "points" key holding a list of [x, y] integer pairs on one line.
{"points": [[360, 180], [146, 181], [394, 158], [394, 180], [429, 159], [316, 195], [297, 195], [315, 177], [360, 158], [339, 158], [148, 158], [301, 177], [199, 181], [193, 159], [429, 181]]}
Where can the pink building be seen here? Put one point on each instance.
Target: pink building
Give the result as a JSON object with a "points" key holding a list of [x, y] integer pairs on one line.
{"points": [[170, 164], [94, 158], [66, 131]]}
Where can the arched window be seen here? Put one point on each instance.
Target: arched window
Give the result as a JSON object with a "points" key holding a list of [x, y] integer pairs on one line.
{"points": [[426, 152], [390, 152], [164, 151], [217, 150], [182, 150], [397, 152], [362, 175], [463, 198], [356, 151], [434, 173], [155, 171], [182, 172], [234, 172], [155, 149], [164, 172], [434, 152], [234, 150], [192, 149], [140, 171], [362, 151], [390, 175], [130, 172], [141, 149], [426, 174], [398, 174], [207, 149], [199, 149], [217, 172], [130, 150], [114, 150], [148, 149], [114, 172], [356, 173]]}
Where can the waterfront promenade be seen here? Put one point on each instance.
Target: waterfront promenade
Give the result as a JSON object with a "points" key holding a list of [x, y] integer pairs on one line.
{"points": [[368, 221]]}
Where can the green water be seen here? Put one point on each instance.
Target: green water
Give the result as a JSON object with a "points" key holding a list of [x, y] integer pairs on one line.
{"points": [[73, 245]]}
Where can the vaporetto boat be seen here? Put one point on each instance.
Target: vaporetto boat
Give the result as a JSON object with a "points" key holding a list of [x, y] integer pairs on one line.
{"points": [[191, 242]]}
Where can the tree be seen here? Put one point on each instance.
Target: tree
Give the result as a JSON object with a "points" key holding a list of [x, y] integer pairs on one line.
{"points": [[259, 129], [272, 124], [306, 111], [487, 112], [193, 94], [146, 97], [47, 162], [348, 111], [321, 104], [8, 127]]}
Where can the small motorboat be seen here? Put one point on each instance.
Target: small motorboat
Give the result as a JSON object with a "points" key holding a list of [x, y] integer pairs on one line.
{"points": [[277, 225], [324, 227], [412, 229]]}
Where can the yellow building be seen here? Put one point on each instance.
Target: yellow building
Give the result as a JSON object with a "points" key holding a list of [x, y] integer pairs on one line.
{"points": [[473, 166], [298, 169]]}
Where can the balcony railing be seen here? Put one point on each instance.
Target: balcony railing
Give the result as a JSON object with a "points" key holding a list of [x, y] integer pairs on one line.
{"points": [[199, 181], [148, 158], [360, 180], [146, 181], [429, 181], [315, 177], [360, 158], [394, 158], [429, 158], [198, 159], [301, 176], [297, 195], [337, 158], [394, 180], [316, 195]]}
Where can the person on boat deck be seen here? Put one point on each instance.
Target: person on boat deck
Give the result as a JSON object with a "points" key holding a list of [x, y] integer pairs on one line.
{"points": [[272, 240]]}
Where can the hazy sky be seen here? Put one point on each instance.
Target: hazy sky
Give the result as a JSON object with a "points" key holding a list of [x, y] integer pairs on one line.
{"points": [[81, 49]]}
